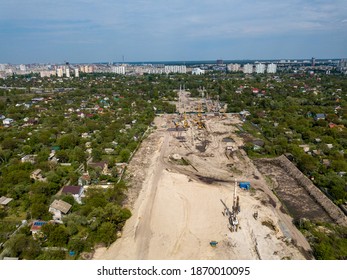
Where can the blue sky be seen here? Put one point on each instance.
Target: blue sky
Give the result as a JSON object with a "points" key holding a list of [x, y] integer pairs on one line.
{"points": [[156, 30]]}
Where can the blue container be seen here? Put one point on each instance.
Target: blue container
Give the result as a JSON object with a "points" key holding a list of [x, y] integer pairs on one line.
{"points": [[245, 185]]}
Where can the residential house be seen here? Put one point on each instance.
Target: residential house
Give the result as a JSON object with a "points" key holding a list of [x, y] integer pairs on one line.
{"points": [[317, 152], [102, 165], [244, 114], [75, 191], [330, 146], [59, 208], [255, 90], [29, 158], [7, 121], [36, 175], [319, 117], [332, 125], [338, 127], [109, 151], [31, 122], [258, 142], [84, 179], [306, 148], [36, 227], [5, 200]]}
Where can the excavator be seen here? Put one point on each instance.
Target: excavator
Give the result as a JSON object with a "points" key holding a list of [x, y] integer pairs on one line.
{"points": [[176, 124]]}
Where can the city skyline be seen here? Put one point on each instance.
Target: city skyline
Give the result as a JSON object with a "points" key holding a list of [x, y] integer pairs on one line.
{"points": [[90, 31]]}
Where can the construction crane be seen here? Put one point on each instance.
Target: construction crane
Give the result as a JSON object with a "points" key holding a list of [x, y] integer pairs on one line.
{"points": [[232, 215]]}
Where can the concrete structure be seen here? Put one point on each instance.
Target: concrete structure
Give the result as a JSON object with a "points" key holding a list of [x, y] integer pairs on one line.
{"points": [[234, 67], [67, 72], [198, 71], [333, 210], [87, 68], [260, 68], [248, 68], [77, 74], [272, 68], [118, 70], [313, 61], [60, 72], [47, 73], [175, 69]]}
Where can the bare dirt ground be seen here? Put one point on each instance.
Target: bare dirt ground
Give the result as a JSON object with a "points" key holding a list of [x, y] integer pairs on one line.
{"points": [[179, 178], [297, 200]]}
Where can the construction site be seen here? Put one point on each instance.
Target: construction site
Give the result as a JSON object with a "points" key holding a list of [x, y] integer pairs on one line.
{"points": [[195, 194]]}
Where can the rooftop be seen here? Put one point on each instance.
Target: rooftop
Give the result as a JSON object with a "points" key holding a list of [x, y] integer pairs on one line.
{"points": [[72, 189], [5, 200], [61, 205]]}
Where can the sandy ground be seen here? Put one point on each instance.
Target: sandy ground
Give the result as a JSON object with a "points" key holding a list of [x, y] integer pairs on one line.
{"points": [[177, 209]]}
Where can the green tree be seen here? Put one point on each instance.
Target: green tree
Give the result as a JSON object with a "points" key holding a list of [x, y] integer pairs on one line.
{"points": [[58, 236], [124, 155], [106, 233], [23, 247]]}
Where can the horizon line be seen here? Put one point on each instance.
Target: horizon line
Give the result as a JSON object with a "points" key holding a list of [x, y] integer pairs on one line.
{"points": [[177, 61]]}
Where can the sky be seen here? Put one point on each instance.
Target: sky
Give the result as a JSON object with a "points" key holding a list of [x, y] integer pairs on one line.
{"points": [[86, 31]]}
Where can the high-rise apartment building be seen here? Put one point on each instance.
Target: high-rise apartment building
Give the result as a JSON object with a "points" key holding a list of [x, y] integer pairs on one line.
{"points": [[118, 69], [234, 67], [67, 72], [260, 68], [87, 68], [175, 69], [272, 68], [77, 74], [248, 68], [313, 61], [59, 72], [47, 73]]}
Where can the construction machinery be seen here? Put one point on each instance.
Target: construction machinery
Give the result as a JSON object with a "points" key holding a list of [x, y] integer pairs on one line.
{"points": [[232, 215], [177, 125]]}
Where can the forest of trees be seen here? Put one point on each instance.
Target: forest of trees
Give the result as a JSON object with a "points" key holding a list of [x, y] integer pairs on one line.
{"points": [[102, 112]]}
